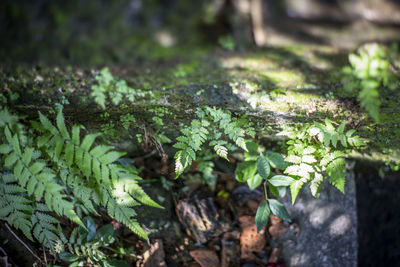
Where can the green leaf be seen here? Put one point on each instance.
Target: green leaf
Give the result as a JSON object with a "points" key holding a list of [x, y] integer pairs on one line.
{"points": [[316, 184], [341, 127], [343, 140], [106, 234], [68, 257], [47, 124], [293, 159], [245, 170], [308, 159], [329, 125], [69, 153], [279, 210], [295, 189], [281, 180], [337, 172], [276, 160], [263, 167], [75, 134], [5, 149], [326, 139], [308, 150], [262, 215], [278, 191], [334, 138], [90, 230], [241, 143], [10, 159], [27, 156], [350, 132], [252, 148], [37, 167], [110, 157], [254, 182], [88, 141], [61, 125]]}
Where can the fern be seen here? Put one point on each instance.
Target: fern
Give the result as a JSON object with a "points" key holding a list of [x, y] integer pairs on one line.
{"points": [[15, 205], [189, 143], [317, 150], [63, 173], [96, 164], [369, 71], [45, 227], [38, 180], [212, 125], [108, 87], [25, 214]]}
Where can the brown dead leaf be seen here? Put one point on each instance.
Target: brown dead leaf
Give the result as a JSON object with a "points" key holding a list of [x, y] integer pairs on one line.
{"points": [[250, 240], [205, 257]]}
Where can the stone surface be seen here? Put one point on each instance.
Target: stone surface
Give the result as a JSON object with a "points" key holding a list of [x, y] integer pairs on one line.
{"points": [[328, 228], [378, 212]]}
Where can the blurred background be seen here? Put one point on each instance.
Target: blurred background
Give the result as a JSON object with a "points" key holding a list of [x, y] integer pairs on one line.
{"points": [[124, 31]]}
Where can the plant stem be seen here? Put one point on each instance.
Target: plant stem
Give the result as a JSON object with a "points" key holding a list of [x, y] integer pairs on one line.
{"points": [[265, 190]]}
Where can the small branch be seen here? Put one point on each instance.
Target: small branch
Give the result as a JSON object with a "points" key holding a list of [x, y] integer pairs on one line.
{"points": [[22, 242], [44, 255]]}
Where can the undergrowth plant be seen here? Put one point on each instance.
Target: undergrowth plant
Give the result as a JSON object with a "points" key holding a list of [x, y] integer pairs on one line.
{"points": [[370, 72], [317, 152], [49, 172], [258, 168], [108, 87], [212, 125], [85, 245]]}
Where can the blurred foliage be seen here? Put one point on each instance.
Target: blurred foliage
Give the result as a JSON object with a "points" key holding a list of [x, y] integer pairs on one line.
{"points": [[99, 32], [371, 70]]}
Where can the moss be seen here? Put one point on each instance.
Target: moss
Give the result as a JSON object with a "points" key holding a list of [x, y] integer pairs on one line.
{"points": [[273, 86]]}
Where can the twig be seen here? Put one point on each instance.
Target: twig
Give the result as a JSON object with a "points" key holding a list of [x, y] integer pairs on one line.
{"points": [[22, 242], [44, 255]]}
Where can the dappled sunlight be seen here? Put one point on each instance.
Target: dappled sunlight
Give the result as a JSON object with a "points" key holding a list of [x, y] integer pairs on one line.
{"points": [[298, 259], [340, 225], [320, 215]]}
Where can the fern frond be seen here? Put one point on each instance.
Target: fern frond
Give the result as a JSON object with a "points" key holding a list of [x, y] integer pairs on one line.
{"points": [[22, 214], [38, 181], [189, 143], [15, 205], [337, 175], [45, 229], [96, 163], [121, 213], [195, 135], [220, 148]]}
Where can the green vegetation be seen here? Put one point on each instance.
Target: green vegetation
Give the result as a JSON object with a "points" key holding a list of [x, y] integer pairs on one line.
{"points": [[255, 170], [52, 173], [49, 171], [317, 152], [371, 72], [109, 87], [85, 243], [211, 124]]}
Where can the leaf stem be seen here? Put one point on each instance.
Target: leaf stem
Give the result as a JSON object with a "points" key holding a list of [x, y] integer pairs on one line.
{"points": [[265, 190]]}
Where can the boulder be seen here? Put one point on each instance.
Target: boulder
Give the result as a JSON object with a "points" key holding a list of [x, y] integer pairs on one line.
{"points": [[328, 228]]}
